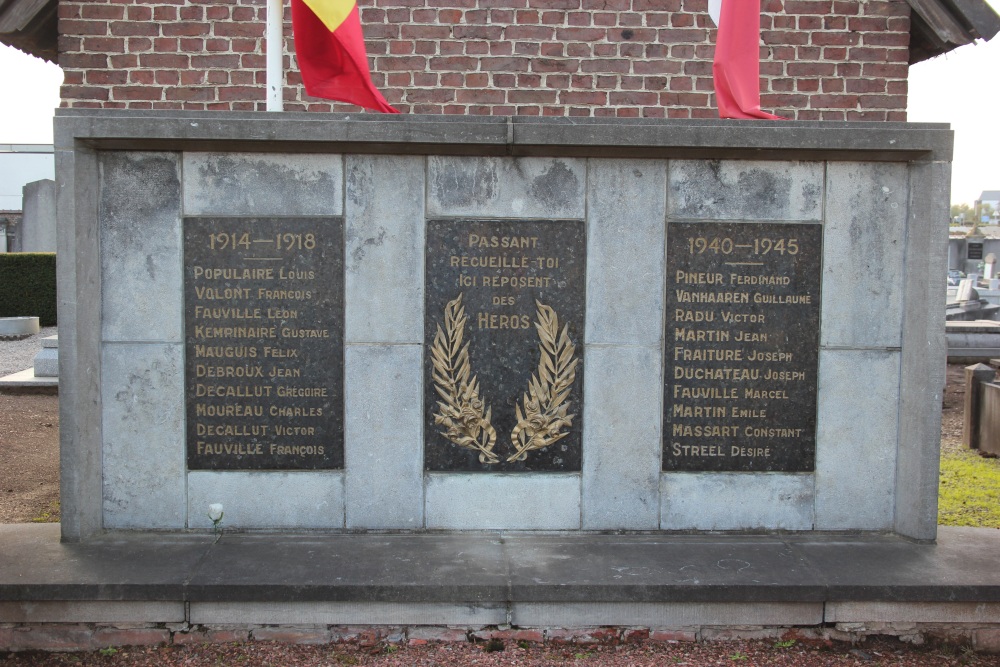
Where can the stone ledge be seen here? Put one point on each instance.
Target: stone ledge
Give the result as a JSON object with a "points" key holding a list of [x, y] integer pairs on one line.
{"points": [[518, 136], [503, 571]]}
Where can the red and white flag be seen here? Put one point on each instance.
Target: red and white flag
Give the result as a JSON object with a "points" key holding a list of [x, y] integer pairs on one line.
{"points": [[737, 58]]}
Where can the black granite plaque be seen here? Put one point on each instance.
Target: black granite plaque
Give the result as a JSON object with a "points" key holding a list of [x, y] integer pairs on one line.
{"points": [[503, 329], [742, 342], [264, 352]]}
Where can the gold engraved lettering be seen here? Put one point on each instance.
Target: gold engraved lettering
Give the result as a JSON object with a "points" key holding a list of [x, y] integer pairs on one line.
{"points": [[492, 321], [699, 411], [771, 432], [737, 279], [226, 351], [460, 410], [517, 282], [730, 316], [296, 450], [702, 335], [245, 371], [758, 394], [477, 241], [284, 294], [782, 299], [764, 452], [750, 336], [705, 392], [784, 376], [232, 274], [294, 430], [755, 355], [710, 354], [748, 413], [280, 353], [283, 411], [230, 410], [304, 333], [547, 400], [696, 450], [216, 293], [238, 449], [684, 296], [259, 430], [703, 431], [227, 313], [489, 262], [692, 278], [727, 373], [278, 372], [681, 315], [295, 274], [300, 392]]}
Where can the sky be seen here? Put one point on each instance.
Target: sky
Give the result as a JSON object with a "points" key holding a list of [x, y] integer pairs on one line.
{"points": [[959, 88]]}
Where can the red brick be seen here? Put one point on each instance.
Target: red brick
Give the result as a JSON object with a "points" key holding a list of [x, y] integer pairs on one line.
{"points": [[293, 635], [48, 637], [553, 65], [77, 28], [142, 77], [134, 28], [191, 94], [672, 636], [103, 77], [836, 38], [131, 637], [208, 636], [137, 92], [185, 29], [139, 13], [583, 97], [823, 7], [84, 92]]}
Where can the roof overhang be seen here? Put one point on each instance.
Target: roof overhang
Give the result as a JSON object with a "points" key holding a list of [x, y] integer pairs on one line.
{"points": [[936, 26], [939, 26], [31, 26]]}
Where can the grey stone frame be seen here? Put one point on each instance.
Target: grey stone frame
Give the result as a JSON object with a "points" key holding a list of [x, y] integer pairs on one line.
{"points": [[923, 152]]}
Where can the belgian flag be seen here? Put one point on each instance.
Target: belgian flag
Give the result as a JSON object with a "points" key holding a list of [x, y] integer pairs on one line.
{"points": [[330, 49]]}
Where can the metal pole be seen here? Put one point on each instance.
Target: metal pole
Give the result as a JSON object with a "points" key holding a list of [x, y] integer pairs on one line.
{"points": [[275, 51]]}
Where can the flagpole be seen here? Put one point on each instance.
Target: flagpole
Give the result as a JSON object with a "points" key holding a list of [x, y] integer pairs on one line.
{"points": [[275, 51]]}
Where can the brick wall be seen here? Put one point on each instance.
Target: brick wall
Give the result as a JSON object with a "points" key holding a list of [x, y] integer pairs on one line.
{"points": [[820, 59]]}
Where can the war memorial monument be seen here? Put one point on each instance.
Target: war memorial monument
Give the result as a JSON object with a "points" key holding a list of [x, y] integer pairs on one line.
{"points": [[502, 370]]}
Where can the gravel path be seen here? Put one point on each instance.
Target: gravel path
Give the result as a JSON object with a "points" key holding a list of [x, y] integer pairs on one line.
{"points": [[17, 355], [876, 653]]}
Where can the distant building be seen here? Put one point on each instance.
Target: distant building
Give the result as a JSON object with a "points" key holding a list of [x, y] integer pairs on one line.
{"points": [[10, 239], [21, 164], [991, 197]]}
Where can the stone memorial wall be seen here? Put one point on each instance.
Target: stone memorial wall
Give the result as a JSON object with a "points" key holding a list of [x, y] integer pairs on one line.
{"points": [[338, 323]]}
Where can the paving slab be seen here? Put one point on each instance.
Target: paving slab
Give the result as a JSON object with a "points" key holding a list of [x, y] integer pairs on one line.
{"points": [[360, 567], [35, 565], [27, 379], [494, 569]]}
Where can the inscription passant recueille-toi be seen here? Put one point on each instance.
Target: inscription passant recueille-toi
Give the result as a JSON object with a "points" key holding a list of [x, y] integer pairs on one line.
{"points": [[263, 343], [503, 319], [741, 354]]}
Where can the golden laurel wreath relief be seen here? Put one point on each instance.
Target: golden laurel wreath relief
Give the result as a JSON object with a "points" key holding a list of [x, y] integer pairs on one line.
{"points": [[545, 405]]}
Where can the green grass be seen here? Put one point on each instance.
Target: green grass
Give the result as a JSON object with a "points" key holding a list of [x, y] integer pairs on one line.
{"points": [[969, 491]]}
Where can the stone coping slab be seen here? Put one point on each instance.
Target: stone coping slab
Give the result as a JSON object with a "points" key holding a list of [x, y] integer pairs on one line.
{"points": [[500, 568], [512, 135], [27, 379]]}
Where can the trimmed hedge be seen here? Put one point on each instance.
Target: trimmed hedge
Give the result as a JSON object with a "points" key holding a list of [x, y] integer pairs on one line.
{"points": [[28, 286]]}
